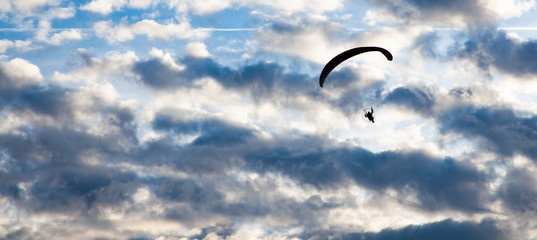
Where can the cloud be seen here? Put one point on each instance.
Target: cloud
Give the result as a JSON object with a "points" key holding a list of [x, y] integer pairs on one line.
{"points": [[18, 74], [201, 146], [45, 163], [60, 13], [388, 170], [149, 28], [52, 101], [29, 6], [69, 189], [419, 100], [441, 183], [48, 163], [18, 12], [472, 13], [261, 79], [219, 145], [502, 131], [91, 69], [317, 39], [493, 49], [104, 7], [59, 38], [427, 43], [506, 9], [41, 13], [310, 39], [160, 71], [85, 167], [69, 35], [5, 6], [446, 229], [197, 49], [519, 191], [5, 44], [211, 6], [22, 233], [452, 12], [210, 131], [498, 127]]}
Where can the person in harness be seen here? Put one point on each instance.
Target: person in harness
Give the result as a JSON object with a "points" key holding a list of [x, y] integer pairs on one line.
{"points": [[369, 115]]}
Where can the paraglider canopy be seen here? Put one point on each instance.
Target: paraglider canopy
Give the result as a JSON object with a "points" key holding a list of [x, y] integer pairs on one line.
{"points": [[346, 55]]}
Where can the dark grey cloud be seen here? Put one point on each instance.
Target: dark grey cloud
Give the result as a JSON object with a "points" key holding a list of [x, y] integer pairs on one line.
{"points": [[10, 88], [52, 100], [205, 201], [19, 234], [211, 131], [472, 12], [51, 159], [198, 198], [311, 212], [28, 92], [502, 131], [446, 229], [184, 190], [438, 183], [158, 75], [79, 188], [499, 129], [421, 100], [260, 78], [519, 191], [494, 48]]}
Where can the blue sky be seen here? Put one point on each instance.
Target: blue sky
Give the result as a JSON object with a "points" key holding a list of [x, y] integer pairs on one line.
{"points": [[183, 119]]}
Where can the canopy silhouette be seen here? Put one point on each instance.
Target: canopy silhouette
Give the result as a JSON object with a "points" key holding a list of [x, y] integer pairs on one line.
{"points": [[346, 55]]}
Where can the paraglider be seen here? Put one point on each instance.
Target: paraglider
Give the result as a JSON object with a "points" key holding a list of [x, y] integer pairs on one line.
{"points": [[346, 55], [366, 114]]}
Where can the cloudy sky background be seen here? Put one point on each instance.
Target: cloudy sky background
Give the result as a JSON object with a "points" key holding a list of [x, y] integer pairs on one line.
{"points": [[186, 119]]}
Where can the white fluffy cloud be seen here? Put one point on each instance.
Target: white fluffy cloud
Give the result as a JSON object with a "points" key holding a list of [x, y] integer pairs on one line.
{"points": [[317, 40], [197, 49], [60, 13], [59, 38], [20, 73], [68, 35], [5, 44], [509, 8], [5, 6], [46, 34], [104, 6], [27, 6], [310, 39], [150, 28], [99, 70], [210, 6]]}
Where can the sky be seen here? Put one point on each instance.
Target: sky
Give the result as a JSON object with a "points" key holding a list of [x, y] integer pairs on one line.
{"points": [[189, 119]]}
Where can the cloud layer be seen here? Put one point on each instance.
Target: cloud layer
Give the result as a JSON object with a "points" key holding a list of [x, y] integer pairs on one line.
{"points": [[153, 120]]}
